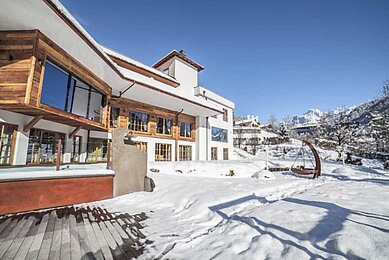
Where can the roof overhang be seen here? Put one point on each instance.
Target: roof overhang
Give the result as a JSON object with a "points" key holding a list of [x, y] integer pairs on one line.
{"points": [[171, 101]]}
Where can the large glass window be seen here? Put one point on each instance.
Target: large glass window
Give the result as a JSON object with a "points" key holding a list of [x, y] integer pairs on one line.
{"points": [[164, 126], [55, 86], [138, 122], [95, 105], [185, 129], [7, 135], [185, 153], [43, 146], [219, 135], [80, 99], [97, 150], [64, 91], [163, 152]]}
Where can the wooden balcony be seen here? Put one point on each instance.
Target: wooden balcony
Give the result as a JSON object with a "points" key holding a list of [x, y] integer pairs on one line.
{"points": [[22, 64]]}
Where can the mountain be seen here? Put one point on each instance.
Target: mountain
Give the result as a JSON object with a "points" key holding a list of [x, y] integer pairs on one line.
{"points": [[360, 113], [311, 117]]}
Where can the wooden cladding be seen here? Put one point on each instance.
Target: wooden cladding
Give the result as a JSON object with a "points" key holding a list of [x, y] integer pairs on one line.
{"points": [[22, 64], [126, 106], [16, 61]]}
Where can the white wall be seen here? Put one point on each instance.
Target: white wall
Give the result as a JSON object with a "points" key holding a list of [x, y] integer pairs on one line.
{"points": [[187, 76]]}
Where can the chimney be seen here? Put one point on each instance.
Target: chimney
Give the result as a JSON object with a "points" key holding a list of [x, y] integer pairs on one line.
{"points": [[183, 52]]}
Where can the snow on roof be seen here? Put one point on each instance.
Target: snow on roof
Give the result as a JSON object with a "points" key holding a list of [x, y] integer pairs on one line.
{"points": [[175, 53], [136, 63], [246, 121], [62, 9]]}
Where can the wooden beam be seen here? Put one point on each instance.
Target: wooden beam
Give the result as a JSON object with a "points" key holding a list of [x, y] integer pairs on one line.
{"points": [[74, 132], [32, 123]]}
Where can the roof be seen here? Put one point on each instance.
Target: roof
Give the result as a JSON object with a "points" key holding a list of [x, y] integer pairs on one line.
{"points": [[137, 64], [180, 55]]}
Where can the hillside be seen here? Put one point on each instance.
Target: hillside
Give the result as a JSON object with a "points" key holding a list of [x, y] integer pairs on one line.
{"points": [[360, 113]]}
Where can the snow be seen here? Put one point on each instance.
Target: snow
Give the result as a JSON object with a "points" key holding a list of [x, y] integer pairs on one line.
{"points": [[197, 211], [49, 172], [311, 117], [136, 63]]}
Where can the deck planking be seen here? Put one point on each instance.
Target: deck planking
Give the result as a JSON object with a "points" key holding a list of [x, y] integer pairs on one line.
{"points": [[72, 233]]}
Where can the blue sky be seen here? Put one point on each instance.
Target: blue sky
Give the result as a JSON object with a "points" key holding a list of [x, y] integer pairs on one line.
{"points": [[270, 57]]}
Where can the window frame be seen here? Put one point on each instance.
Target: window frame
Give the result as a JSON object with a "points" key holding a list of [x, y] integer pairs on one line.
{"points": [[225, 115], [185, 153], [71, 89], [142, 123], [117, 119], [213, 153], [142, 146], [162, 155], [225, 154], [185, 130], [164, 122]]}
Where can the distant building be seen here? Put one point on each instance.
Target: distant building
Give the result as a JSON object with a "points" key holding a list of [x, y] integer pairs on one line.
{"points": [[247, 134]]}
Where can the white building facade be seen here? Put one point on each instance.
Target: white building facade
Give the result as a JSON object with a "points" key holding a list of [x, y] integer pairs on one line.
{"points": [[163, 106]]}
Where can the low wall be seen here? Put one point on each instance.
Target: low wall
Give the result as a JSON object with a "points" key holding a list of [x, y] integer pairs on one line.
{"points": [[24, 195]]}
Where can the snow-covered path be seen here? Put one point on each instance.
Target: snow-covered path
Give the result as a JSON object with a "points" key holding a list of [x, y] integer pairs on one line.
{"points": [[341, 215]]}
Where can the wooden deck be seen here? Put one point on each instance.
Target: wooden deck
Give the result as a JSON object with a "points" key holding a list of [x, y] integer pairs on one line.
{"points": [[72, 233]]}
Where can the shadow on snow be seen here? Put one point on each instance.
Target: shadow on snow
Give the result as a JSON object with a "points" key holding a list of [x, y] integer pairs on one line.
{"points": [[328, 225]]}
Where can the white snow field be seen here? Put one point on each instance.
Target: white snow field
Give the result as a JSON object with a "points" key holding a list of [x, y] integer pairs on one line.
{"points": [[198, 212]]}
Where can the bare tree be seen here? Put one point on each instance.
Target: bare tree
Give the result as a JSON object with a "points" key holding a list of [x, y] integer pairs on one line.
{"points": [[384, 91], [272, 122]]}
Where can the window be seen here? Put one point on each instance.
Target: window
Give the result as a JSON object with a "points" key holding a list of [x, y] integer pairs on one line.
{"points": [[164, 126], [225, 153], [138, 122], [219, 135], [163, 152], [185, 129], [76, 149], [142, 146], [114, 117], [97, 150], [225, 115], [214, 153], [55, 86], [64, 91], [185, 153], [43, 146], [7, 135], [80, 98]]}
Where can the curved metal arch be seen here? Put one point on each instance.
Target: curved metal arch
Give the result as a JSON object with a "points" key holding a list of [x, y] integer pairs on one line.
{"points": [[317, 170]]}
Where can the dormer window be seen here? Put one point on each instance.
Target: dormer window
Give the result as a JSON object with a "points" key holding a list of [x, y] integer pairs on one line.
{"points": [[166, 71]]}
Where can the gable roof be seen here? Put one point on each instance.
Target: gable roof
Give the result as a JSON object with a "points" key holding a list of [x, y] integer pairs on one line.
{"points": [[180, 55]]}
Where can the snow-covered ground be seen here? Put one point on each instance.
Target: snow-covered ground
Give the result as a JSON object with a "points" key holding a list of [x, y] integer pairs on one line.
{"points": [[197, 211]]}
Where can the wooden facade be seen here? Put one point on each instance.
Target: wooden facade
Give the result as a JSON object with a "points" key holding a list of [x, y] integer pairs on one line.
{"points": [[22, 63], [126, 106]]}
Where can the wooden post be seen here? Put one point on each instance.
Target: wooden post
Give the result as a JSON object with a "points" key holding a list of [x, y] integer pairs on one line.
{"points": [[58, 163], [108, 155]]}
